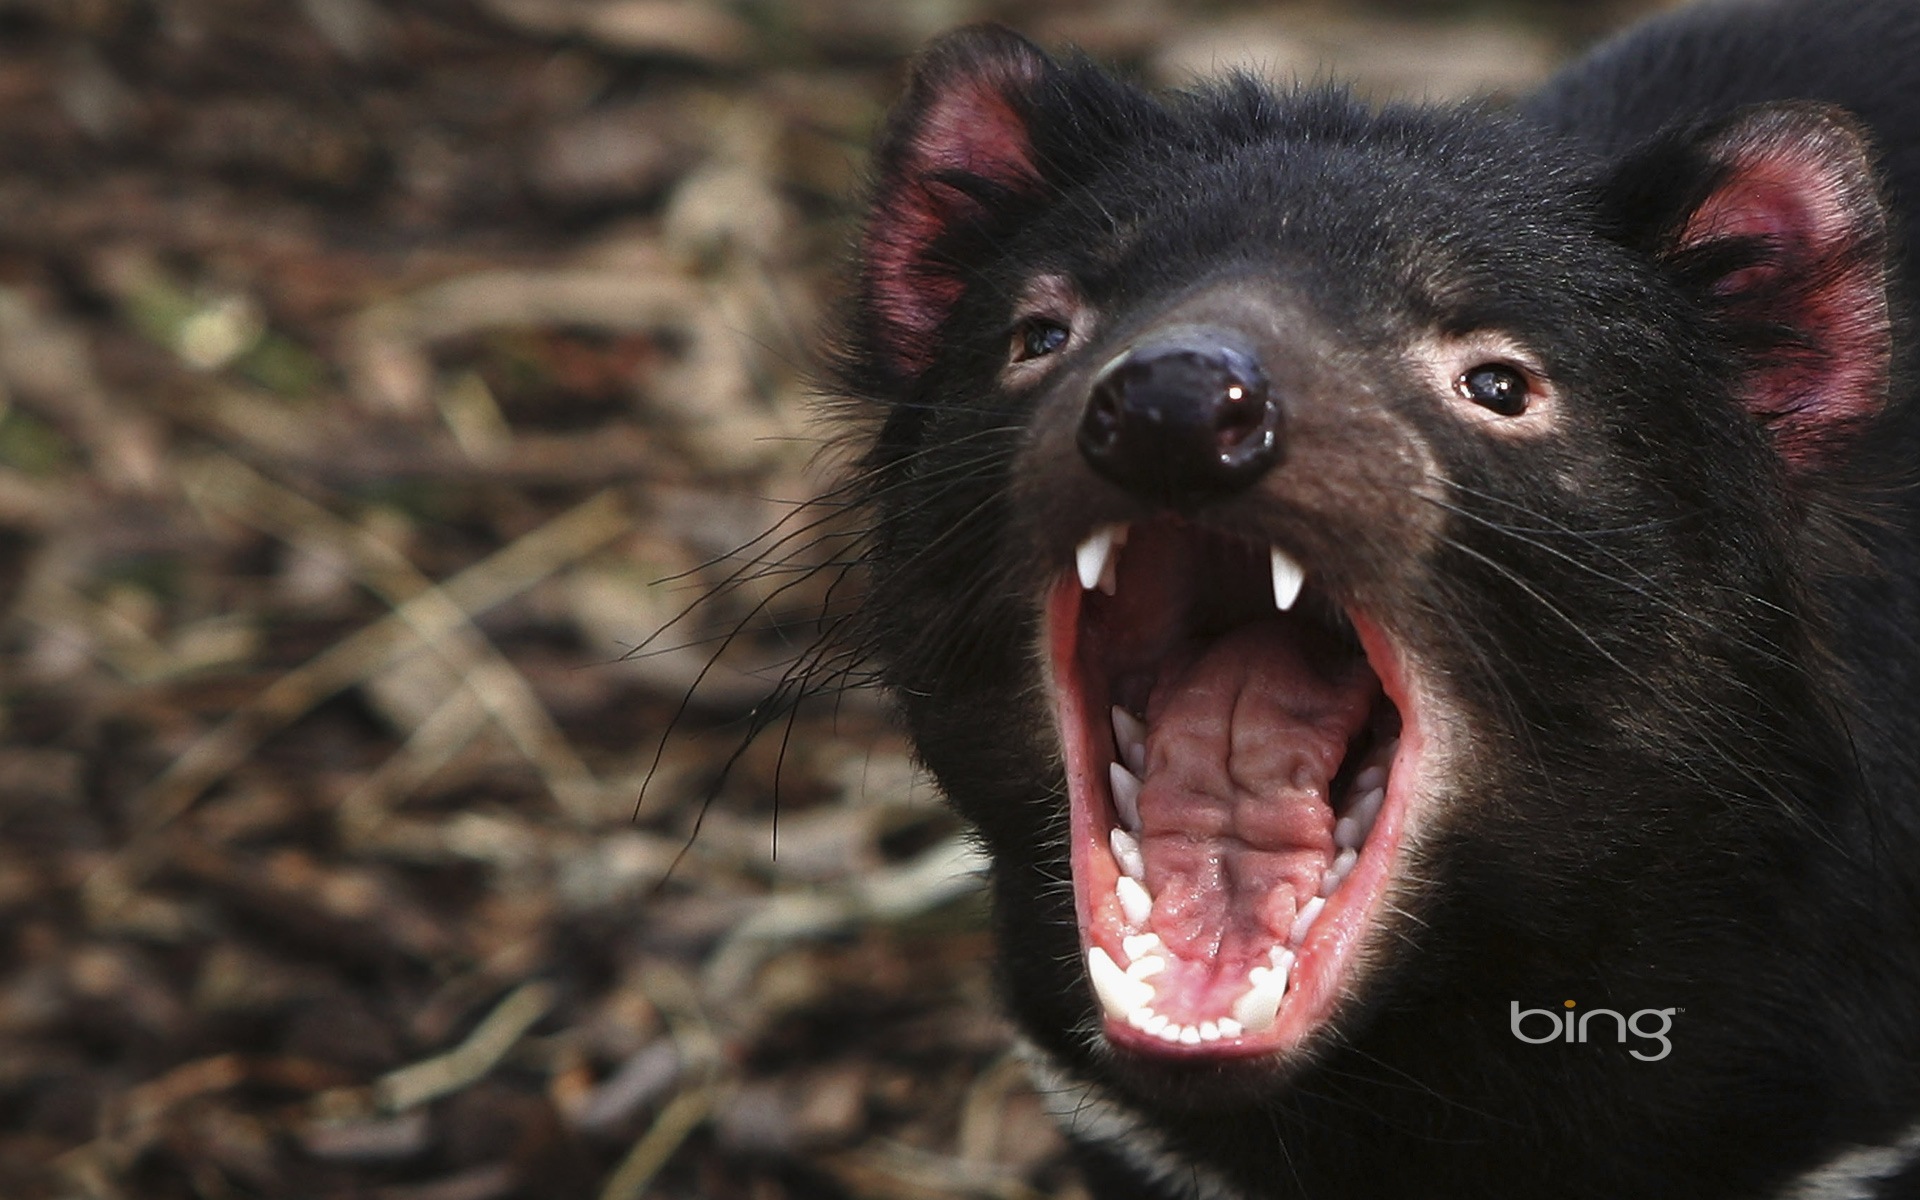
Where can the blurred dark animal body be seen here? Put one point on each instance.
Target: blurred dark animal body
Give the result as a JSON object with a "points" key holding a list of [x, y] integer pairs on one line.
{"points": [[1421, 605]]}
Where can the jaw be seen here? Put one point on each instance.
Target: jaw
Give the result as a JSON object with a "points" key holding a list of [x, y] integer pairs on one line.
{"points": [[1239, 780]]}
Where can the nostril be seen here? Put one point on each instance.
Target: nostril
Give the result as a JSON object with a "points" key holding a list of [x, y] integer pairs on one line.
{"points": [[1242, 413], [1182, 421]]}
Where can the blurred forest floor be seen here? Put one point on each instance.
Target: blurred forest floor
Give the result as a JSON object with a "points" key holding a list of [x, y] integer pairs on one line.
{"points": [[375, 380]]}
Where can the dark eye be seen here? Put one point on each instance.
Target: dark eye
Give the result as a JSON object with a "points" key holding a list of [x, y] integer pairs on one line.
{"points": [[1495, 386], [1037, 337]]}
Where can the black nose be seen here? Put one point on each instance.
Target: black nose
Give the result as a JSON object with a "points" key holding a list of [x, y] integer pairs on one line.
{"points": [[1183, 421]]}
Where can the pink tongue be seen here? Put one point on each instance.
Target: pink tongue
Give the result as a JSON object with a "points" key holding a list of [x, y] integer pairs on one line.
{"points": [[1241, 746]]}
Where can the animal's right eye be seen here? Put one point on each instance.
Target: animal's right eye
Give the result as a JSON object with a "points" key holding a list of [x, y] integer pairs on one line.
{"points": [[1037, 337], [1496, 387]]}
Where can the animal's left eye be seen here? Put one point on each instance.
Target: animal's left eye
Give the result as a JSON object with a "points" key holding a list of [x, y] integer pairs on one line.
{"points": [[1037, 337], [1496, 387]]}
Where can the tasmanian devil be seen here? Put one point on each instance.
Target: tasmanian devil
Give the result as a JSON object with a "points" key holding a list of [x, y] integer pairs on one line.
{"points": [[1420, 605]]}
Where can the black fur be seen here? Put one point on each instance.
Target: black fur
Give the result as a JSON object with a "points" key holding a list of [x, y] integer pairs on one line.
{"points": [[1677, 633]]}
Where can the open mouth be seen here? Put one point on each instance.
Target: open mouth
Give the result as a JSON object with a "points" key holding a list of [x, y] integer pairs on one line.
{"points": [[1239, 754]]}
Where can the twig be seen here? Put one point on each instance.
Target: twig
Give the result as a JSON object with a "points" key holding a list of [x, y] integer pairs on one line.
{"points": [[673, 1126], [427, 616], [483, 671], [412, 1086]]}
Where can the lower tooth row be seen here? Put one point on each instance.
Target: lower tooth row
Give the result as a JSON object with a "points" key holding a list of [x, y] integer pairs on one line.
{"points": [[1126, 995], [1158, 1025]]}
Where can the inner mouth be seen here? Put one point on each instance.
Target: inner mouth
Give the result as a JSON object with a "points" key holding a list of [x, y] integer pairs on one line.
{"points": [[1238, 759]]}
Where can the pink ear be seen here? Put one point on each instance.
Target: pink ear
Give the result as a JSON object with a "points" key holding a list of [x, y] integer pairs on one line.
{"points": [[957, 146], [1795, 211]]}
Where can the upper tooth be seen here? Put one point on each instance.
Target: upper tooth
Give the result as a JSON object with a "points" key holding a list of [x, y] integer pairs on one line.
{"points": [[1337, 873], [1118, 994], [1090, 559], [1288, 576], [1366, 809], [1126, 853], [1304, 921], [1130, 738], [1126, 795], [1347, 833]]}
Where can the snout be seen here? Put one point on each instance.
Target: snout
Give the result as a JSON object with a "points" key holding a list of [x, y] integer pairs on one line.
{"points": [[1184, 419]]}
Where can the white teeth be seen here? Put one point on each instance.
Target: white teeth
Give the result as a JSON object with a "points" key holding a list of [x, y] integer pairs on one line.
{"points": [[1189, 1036], [1347, 834], [1126, 795], [1229, 1028], [1303, 923], [1146, 966], [1139, 945], [1337, 873], [1369, 779], [1255, 1012], [1126, 854], [1168, 1032], [1090, 557], [1135, 901], [1118, 994], [1209, 1031], [1366, 809], [1093, 558], [1288, 576], [1155, 1022], [1130, 739]]}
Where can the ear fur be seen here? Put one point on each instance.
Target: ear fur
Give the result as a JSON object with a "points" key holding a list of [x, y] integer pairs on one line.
{"points": [[1773, 219], [956, 153]]}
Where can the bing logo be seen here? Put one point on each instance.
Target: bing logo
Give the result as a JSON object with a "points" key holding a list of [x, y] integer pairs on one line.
{"points": [[1569, 1026]]}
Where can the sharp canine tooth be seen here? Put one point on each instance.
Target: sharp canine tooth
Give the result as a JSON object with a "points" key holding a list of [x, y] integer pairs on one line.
{"points": [[1135, 901], [1257, 1010], [1130, 739], [1091, 557], [1126, 795], [1304, 922], [1118, 994], [1139, 945], [1288, 576], [1126, 853]]}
